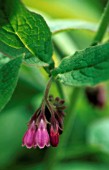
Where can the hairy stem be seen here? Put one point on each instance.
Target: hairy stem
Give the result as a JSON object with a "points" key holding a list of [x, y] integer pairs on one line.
{"points": [[47, 88]]}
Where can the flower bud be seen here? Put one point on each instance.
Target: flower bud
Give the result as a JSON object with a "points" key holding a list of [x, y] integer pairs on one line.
{"points": [[54, 135]]}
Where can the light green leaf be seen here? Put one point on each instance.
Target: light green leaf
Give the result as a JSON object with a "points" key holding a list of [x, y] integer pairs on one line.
{"points": [[8, 80], [98, 134], [22, 31], [63, 25], [86, 67]]}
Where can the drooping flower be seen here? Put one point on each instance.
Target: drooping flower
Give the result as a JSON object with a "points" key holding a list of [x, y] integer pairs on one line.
{"points": [[46, 125], [28, 139], [42, 138]]}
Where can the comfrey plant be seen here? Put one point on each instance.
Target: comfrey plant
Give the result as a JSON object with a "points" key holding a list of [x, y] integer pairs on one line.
{"points": [[26, 39], [46, 124]]}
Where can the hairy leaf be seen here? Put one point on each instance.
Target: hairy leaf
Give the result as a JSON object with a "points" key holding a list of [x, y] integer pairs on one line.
{"points": [[8, 80], [22, 31], [85, 67]]}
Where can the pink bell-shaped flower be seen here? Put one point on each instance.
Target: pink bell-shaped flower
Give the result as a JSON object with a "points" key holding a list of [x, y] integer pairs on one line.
{"points": [[42, 138], [46, 124], [28, 139]]}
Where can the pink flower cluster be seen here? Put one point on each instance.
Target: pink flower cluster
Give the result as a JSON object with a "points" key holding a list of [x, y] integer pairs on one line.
{"points": [[36, 136], [45, 125]]}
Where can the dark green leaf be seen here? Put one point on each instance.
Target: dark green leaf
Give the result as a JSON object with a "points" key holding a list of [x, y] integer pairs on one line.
{"points": [[8, 80], [22, 31], [85, 67]]}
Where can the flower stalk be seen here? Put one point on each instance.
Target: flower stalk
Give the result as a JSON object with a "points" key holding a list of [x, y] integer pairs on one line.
{"points": [[104, 22]]}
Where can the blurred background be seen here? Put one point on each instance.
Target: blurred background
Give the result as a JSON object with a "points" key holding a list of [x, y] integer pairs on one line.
{"points": [[87, 144]]}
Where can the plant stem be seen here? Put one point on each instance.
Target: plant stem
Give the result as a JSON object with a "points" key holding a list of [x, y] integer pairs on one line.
{"points": [[70, 117], [104, 22], [60, 90], [47, 88]]}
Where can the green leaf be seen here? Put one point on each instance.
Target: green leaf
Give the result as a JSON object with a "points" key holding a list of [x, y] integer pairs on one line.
{"points": [[8, 80], [86, 67], [3, 60], [63, 25], [22, 31], [98, 134]]}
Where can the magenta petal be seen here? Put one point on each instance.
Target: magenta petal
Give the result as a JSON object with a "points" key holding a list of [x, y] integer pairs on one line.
{"points": [[28, 139], [42, 137], [42, 124]]}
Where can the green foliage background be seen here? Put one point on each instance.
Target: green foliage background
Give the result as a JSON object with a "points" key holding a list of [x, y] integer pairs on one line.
{"points": [[87, 140]]}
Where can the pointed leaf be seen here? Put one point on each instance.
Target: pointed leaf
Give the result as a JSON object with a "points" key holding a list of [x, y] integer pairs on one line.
{"points": [[22, 31], [86, 67]]}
